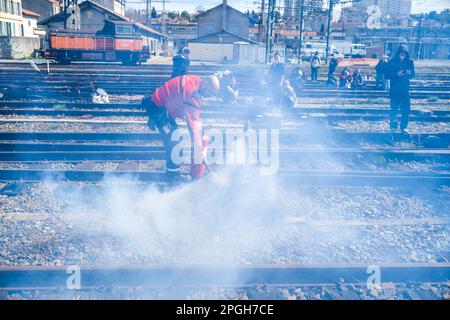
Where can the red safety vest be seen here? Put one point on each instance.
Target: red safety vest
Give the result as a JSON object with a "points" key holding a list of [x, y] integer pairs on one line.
{"points": [[180, 96]]}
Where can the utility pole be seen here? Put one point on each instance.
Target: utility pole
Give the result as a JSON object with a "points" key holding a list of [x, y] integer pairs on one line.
{"points": [[262, 22], [147, 12], [163, 14], [269, 28], [269, 9], [330, 18], [301, 30], [420, 37]]}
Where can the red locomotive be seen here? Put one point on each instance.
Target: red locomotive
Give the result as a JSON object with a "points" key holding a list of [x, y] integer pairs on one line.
{"points": [[118, 41]]}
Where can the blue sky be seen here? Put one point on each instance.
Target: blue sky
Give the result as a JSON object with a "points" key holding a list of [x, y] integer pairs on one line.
{"points": [[243, 5]]}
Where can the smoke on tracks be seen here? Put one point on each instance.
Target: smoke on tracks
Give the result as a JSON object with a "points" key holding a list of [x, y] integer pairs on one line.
{"points": [[234, 217]]}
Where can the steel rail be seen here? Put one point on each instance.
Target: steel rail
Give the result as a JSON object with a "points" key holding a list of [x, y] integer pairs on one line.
{"points": [[76, 152], [310, 178], [242, 113], [290, 136], [39, 277]]}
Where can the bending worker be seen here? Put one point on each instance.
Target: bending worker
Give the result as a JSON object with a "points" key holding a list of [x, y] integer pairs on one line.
{"points": [[181, 97]]}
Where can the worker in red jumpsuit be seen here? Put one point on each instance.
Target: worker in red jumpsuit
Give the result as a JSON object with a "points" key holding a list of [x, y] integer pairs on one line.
{"points": [[181, 97]]}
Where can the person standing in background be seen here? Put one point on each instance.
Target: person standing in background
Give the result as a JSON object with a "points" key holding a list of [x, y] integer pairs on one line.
{"points": [[181, 63], [380, 71], [315, 66], [400, 70], [275, 78], [334, 62]]}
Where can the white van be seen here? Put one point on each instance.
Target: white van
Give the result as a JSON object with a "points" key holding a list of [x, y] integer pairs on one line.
{"points": [[351, 50], [309, 48]]}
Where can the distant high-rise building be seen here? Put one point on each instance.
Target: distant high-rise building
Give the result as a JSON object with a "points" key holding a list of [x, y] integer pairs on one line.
{"points": [[292, 7], [388, 9], [118, 6], [288, 8]]}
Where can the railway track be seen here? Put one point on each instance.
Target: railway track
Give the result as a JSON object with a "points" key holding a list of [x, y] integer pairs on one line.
{"points": [[317, 178], [289, 136], [36, 152], [155, 81], [225, 114], [210, 111], [434, 72], [35, 278], [66, 91]]}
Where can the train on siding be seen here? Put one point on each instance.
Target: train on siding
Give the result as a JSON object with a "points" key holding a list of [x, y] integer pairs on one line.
{"points": [[118, 41]]}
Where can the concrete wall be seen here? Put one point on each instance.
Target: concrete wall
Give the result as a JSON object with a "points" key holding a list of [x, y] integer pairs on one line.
{"points": [[210, 52], [244, 53], [18, 47]]}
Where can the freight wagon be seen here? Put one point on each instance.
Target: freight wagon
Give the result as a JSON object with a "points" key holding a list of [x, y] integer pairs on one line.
{"points": [[118, 41]]}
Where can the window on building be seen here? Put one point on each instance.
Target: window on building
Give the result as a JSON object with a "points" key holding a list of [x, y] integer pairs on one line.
{"points": [[8, 29], [8, 6], [124, 30], [22, 30], [2, 5], [210, 28], [2, 28], [235, 29]]}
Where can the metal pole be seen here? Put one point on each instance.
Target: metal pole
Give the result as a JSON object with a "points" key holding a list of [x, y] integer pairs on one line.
{"points": [[147, 12], [420, 38], [66, 5], [301, 31], [268, 33], [262, 21], [272, 24], [163, 27], [330, 16], [151, 9]]}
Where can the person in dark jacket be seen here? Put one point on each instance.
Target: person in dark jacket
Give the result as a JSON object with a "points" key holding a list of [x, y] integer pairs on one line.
{"points": [[181, 63], [400, 70], [357, 79], [334, 62], [345, 79], [230, 91], [297, 81], [275, 78], [380, 70]]}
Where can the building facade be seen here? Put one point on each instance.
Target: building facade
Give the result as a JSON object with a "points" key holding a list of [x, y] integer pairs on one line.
{"points": [[223, 17], [385, 12], [179, 33], [45, 8], [11, 21], [19, 35], [223, 36], [30, 24], [92, 20], [310, 8], [118, 6]]}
